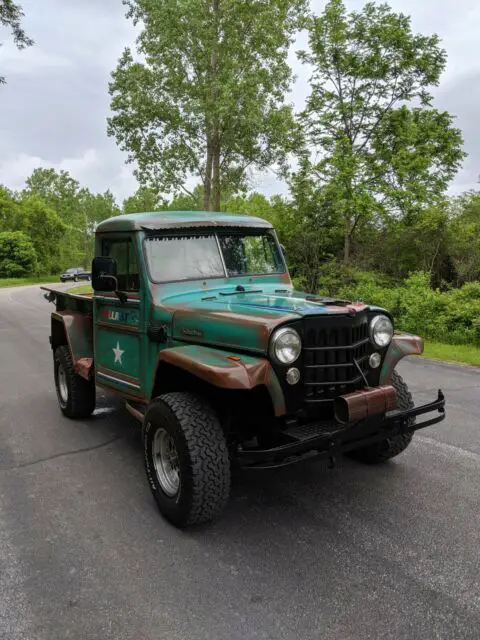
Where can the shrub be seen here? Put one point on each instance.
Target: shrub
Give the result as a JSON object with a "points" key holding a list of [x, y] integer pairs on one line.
{"points": [[17, 255], [452, 316]]}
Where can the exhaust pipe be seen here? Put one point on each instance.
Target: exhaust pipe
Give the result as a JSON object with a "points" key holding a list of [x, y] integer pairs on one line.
{"points": [[359, 405]]}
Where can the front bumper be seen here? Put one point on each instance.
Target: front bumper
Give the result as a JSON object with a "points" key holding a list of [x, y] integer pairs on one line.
{"points": [[328, 440]]}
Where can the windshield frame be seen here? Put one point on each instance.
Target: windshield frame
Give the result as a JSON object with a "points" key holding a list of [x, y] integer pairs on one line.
{"points": [[248, 231]]}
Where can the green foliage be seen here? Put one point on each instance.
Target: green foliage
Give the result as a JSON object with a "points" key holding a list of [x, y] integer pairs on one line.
{"points": [[11, 15], [452, 316], [144, 199], [208, 97], [378, 157], [79, 210], [44, 228], [464, 236], [17, 255]]}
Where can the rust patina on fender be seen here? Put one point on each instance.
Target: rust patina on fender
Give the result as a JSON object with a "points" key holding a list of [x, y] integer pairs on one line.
{"points": [[226, 370], [403, 344], [78, 332]]}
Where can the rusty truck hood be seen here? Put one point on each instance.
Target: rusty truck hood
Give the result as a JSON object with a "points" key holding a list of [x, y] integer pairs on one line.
{"points": [[244, 320]]}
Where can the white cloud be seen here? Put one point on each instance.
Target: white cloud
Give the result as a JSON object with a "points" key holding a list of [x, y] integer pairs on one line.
{"points": [[31, 60]]}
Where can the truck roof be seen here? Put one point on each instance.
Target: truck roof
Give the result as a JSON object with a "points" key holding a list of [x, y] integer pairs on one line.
{"points": [[179, 220]]}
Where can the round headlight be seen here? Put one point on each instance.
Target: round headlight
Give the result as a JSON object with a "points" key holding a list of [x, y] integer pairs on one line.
{"points": [[381, 331], [285, 345]]}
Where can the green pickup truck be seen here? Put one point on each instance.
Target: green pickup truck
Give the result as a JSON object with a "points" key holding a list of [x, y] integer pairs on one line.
{"points": [[195, 323]]}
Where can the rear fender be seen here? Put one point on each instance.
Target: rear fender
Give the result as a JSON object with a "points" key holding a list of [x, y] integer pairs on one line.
{"points": [[75, 330], [225, 370], [403, 344]]}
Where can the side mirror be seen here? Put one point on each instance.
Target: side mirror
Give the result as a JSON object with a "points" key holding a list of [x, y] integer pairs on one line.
{"points": [[104, 274]]}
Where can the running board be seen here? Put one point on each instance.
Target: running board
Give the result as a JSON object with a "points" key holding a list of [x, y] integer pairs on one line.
{"points": [[137, 410]]}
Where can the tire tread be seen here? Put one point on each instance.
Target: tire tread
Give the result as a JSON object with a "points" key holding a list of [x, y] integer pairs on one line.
{"points": [[392, 447], [81, 401], [208, 452]]}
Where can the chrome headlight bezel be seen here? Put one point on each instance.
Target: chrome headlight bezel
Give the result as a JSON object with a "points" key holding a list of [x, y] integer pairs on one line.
{"points": [[275, 348], [376, 330]]}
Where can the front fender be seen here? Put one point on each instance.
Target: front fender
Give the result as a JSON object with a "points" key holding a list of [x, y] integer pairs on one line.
{"points": [[403, 344], [226, 370]]}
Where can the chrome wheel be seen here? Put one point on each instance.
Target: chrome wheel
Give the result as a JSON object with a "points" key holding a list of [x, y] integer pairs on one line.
{"points": [[62, 384], [165, 458]]}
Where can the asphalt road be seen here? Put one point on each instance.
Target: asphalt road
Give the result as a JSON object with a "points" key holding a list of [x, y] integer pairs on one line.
{"points": [[307, 553]]}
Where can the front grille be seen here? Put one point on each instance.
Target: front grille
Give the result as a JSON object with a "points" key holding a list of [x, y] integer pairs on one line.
{"points": [[331, 347]]}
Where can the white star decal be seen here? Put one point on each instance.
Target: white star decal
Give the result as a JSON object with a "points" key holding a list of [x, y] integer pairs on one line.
{"points": [[118, 354]]}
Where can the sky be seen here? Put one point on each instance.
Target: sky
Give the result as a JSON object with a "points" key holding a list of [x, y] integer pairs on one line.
{"points": [[54, 107]]}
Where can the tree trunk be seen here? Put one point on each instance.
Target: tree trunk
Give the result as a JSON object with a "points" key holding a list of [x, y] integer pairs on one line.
{"points": [[207, 183], [216, 190], [215, 194], [346, 243]]}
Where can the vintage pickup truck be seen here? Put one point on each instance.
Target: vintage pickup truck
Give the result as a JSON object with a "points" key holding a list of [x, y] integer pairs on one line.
{"points": [[195, 323]]}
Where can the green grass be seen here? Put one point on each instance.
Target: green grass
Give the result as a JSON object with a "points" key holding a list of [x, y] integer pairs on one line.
{"points": [[19, 282], [82, 289], [460, 353]]}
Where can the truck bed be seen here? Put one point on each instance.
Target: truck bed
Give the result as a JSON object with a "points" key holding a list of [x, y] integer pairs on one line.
{"points": [[65, 301]]}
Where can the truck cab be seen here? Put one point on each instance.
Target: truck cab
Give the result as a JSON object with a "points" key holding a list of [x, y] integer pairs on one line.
{"points": [[195, 323]]}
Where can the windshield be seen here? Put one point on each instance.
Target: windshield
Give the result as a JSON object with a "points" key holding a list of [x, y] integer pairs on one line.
{"points": [[194, 256]]}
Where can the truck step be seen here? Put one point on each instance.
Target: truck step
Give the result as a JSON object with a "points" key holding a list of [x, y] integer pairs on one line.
{"points": [[304, 432]]}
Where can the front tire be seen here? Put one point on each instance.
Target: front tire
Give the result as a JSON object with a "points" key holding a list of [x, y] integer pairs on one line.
{"points": [[391, 447], [76, 396], [186, 459]]}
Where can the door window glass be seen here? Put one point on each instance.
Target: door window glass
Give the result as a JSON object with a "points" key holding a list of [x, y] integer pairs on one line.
{"points": [[123, 252]]}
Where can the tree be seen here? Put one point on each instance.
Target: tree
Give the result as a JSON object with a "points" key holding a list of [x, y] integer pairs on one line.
{"points": [[8, 208], [377, 155], [144, 199], [11, 15], [44, 228], [17, 255], [79, 209], [207, 98], [464, 235]]}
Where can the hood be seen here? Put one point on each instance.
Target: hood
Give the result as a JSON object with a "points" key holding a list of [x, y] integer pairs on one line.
{"points": [[232, 319]]}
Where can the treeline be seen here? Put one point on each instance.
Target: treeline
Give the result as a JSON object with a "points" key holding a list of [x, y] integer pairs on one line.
{"points": [[49, 225]]}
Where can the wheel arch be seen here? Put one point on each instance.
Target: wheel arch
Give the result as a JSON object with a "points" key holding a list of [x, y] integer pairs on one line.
{"points": [[75, 331], [402, 345], [223, 378]]}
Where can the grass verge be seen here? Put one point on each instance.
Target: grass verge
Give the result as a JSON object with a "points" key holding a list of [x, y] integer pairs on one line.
{"points": [[458, 353], [19, 282], [81, 289]]}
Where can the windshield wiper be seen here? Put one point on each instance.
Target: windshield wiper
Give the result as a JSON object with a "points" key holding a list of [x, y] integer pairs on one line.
{"points": [[239, 291], [326, 301]]}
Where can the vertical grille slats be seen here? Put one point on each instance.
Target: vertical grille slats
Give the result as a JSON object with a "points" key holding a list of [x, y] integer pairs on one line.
{"points": [[331, 345]]}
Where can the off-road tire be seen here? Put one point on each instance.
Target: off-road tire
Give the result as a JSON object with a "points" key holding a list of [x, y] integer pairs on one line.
{"points": [[80, 401], [386, 449], [202, 453]]}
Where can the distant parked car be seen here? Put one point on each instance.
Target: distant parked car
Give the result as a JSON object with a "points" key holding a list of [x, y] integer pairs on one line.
{"points": [[75, 274]]}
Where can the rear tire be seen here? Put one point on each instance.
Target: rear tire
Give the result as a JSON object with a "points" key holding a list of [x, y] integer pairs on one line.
{"points": [[76, 396], [186, 459], [391, 447]]}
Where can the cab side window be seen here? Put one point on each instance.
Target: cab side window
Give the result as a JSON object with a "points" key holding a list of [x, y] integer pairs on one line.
{"points": [[124, 253]]}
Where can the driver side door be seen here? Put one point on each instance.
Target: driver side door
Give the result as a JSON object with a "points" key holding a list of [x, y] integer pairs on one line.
{"points": [[118, 335]]}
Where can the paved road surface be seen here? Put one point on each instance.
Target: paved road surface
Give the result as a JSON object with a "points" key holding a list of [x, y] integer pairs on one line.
{"points": [[306, 553]]}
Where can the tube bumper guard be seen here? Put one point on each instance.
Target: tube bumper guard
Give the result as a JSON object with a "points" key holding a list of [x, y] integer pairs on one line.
{"points": [[331, 439]]}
